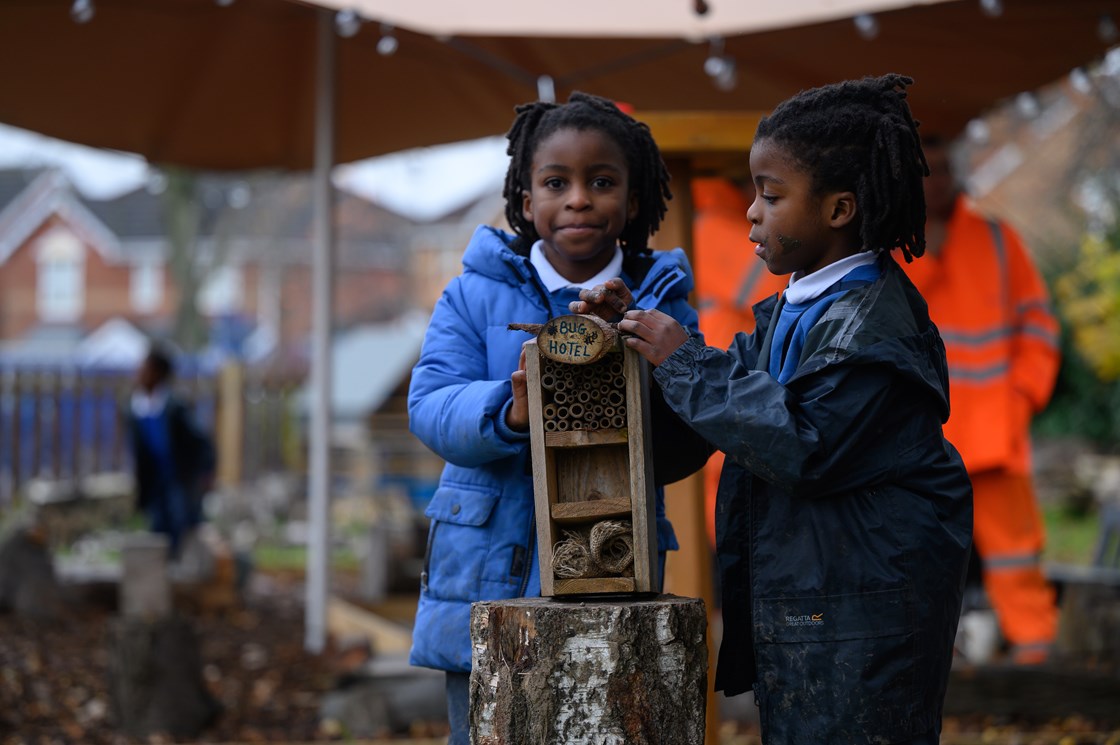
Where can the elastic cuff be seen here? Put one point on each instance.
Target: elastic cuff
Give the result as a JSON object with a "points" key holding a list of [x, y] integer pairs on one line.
{"points": [[680, 363], [504, 431]]}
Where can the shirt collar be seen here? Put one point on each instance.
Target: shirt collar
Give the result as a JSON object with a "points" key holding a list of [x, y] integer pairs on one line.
{"points": [[554, 281], [149, 404], [803, 288]]}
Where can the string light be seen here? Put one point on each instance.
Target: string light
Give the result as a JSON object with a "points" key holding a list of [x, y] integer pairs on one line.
{"points": [[1027, 105], [82, 11], [720, 67], [993, 8], [546, 89], [1106, 29], [867, 25], [387, 44], [978, 131], [1080, 81], [347, 22]]}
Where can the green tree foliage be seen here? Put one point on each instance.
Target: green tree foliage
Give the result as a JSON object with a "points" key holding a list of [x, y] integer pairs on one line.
{"points": [[1086, 399]]}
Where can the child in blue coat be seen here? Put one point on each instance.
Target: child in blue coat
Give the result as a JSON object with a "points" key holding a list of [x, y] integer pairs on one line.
{"points": [[586, 187], [843, 517]]}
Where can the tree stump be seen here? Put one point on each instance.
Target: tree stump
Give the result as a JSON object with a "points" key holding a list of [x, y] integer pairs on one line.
{"points": [[28, 584], [155, 678], [145, 589], [605, 671]]}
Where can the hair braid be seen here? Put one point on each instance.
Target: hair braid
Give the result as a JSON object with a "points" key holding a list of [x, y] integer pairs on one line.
{"points": [[860, 136]]}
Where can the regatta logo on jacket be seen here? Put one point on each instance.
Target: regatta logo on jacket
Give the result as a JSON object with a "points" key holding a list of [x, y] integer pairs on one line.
{"points": [[817, 619]]}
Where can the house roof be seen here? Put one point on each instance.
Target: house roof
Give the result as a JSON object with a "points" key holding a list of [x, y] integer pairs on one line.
{"points": [[51, 194], [368, 363], [252, 217]]}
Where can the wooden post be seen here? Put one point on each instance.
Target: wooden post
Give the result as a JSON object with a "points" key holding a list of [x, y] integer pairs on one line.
{"points": [[599, 672], [155, 662], [145, 589], [689, 570], [230, 424]]}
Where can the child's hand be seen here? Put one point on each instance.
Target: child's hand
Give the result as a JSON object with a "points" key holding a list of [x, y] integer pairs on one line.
{"points": [[609, 300], [654, 335], [517, 418]]}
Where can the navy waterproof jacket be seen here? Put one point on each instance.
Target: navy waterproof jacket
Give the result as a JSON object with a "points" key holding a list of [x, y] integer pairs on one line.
{"points": [[481, 544], [843, 517]]}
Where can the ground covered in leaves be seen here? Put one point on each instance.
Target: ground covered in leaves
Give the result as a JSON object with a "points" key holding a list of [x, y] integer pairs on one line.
{"points": [[54, 684], [54, 675]]}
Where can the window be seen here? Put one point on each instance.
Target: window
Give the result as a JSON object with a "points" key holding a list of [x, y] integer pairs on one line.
{"points": [[221, 293], [60, 289], [146, 286]]}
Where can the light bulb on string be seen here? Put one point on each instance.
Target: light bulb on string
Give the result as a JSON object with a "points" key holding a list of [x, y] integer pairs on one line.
{"points": [[716, 63], [978, 131], [1080, 81], [867, 25], [82, 11], [1106, 29], [347, 22], [223, 3], [993, 8], [387, 44], [546, 89], [728, 78], [1027, 105]]}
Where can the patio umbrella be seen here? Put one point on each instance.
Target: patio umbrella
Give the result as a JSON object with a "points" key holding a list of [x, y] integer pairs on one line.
{"points": [[229, 84], [237, 84]]}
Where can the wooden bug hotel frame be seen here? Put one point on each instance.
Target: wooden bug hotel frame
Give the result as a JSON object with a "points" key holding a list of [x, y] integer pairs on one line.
{"points": [[592, 470]]}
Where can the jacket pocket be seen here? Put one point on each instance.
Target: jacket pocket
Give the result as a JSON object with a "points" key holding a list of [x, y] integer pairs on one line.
{"points": [[458, 540], [837, 668]]}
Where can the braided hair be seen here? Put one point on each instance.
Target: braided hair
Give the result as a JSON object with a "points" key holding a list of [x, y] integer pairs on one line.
{"points": [[860, 136], [648, 176]]}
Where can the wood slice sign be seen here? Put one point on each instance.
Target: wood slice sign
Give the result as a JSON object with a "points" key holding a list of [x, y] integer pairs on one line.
{"points": [[573, 339]]}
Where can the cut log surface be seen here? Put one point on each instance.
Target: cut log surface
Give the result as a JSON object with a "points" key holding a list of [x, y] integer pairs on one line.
{"points": [[598, 672]]}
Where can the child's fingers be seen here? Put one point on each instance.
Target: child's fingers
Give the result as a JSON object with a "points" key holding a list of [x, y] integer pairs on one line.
{"points": [[653, 334], [621, 291]]}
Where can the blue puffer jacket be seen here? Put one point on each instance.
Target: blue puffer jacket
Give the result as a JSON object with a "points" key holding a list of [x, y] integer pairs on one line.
{"points": [[482, 535]]}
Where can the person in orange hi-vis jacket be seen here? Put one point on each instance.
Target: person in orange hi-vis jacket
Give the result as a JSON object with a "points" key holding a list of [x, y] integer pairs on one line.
{"points": [[1001, 340], [729, 278]]}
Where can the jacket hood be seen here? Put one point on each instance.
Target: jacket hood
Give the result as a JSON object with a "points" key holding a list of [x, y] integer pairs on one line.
{"points": [[490, 252]]}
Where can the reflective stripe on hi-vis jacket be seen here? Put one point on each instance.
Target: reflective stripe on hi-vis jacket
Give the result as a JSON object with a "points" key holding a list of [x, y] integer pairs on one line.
{"points": [[1001, 337]]}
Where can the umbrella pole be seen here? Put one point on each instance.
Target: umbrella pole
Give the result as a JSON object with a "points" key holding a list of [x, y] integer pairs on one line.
{"points": [[322, 285]]}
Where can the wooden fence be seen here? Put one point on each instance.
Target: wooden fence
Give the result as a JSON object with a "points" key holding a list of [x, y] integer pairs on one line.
{"points": [[67, 423]]}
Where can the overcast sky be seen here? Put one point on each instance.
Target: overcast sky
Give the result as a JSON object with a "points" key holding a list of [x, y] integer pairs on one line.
{"points": [[422, 184]]}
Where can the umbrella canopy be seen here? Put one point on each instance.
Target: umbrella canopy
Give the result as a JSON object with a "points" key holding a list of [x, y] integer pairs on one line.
{"points": [[230, 84]]}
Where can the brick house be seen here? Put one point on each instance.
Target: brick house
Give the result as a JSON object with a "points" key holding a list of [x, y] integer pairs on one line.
{"points": [[68, 265]]}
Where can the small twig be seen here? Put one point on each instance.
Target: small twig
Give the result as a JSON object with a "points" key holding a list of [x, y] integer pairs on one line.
{"points": [[532, 328]]}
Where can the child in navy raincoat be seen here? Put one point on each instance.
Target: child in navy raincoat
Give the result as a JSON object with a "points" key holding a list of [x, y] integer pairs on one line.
{"points": [[843, 516], [173, 457], [586, 187]]}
